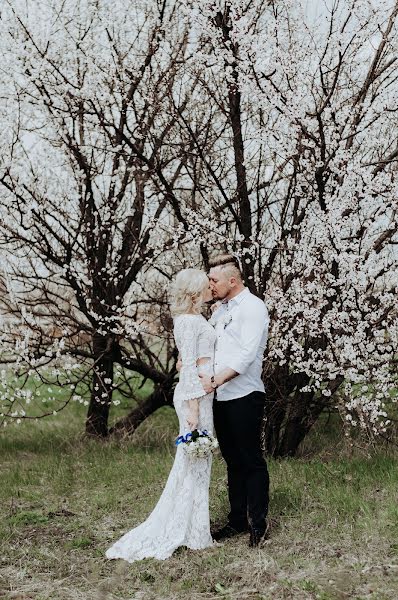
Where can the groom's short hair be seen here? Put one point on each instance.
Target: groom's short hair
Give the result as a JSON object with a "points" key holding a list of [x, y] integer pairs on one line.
{"points": [[228, 263]]}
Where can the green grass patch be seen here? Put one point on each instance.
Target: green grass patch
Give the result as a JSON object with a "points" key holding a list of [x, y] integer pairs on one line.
{"points": [[27, 517], [80, 543], [65, 499]]}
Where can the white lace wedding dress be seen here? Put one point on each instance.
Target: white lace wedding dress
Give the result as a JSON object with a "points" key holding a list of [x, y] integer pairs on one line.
{"points": [[181, 517]]}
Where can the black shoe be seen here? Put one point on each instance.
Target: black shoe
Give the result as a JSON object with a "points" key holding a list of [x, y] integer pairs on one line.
{"points": [[226, 532], [257, 536]]}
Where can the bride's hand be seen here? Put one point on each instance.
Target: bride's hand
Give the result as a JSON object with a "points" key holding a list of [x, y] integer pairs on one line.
{"points": [[179, 362], [193, 419], [193, 413]]}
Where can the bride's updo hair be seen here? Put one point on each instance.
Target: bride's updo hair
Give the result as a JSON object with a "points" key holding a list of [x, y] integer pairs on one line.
{"points": [[187, 292]]}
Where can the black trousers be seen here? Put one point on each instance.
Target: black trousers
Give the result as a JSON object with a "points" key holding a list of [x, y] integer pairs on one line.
{"points": [[238, 424]]}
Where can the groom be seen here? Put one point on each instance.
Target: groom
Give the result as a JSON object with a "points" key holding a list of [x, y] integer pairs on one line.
{"points": [[241, 324]]}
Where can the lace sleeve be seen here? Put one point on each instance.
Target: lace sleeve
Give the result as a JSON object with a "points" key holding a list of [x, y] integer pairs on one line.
{"points": [[186, 334]]}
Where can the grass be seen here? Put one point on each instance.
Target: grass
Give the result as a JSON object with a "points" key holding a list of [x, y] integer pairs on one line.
{"points": [[65, 499]]}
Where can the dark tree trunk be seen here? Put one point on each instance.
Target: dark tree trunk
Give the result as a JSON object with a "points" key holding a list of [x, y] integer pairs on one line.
{"points": [[161, 396], [243, 219], [284, 431], [290, 414], [102, 385], [301, 417], [275, 409]]}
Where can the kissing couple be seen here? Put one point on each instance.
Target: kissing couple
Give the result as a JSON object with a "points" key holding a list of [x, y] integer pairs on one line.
{"points": [[220, 379]]}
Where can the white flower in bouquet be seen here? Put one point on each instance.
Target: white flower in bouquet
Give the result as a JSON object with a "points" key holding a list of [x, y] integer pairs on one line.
{"points": [[197, 443]]}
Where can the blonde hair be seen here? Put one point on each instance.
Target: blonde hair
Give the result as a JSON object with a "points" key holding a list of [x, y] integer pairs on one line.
{"points": [[187, 292]]}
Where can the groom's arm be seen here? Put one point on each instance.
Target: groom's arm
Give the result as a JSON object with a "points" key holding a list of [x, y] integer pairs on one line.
{"points": [[219, 378], [253, 332]]}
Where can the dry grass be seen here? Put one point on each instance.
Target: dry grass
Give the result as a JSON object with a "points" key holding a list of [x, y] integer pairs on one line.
{"points": [[65, 499]]}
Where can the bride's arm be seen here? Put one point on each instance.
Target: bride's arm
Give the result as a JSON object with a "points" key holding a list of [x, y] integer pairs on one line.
{"points": [[193, 414], [191, 389]]}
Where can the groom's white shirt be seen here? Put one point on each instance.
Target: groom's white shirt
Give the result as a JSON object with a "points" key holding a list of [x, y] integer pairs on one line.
{"points": [[241, 326]]}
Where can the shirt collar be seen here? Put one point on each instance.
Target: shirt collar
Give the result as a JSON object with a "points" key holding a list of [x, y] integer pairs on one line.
{"points": [[239, 297]]}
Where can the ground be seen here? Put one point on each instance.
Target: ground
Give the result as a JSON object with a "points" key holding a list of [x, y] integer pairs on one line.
{"points": [[65, 499]]}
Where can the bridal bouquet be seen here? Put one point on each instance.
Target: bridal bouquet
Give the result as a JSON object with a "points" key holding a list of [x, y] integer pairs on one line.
{"points": [[198, 443]]}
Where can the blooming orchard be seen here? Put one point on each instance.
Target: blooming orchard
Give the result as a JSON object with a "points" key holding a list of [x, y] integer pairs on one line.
{"points": [[139, 141]]}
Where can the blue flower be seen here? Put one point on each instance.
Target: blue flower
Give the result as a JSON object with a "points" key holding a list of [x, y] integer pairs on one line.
{"points": [[184, 439]]}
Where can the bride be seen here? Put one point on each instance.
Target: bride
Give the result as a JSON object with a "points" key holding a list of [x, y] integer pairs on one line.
{"points": [[181, 517]]}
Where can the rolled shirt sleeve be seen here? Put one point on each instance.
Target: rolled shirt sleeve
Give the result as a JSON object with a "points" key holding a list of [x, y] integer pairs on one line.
{"points": [[253, 323]]}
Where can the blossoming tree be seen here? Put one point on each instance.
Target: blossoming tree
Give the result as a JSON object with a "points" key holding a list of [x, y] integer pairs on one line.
{"points": [[247, 126], [299, 180], [85, 85]]}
